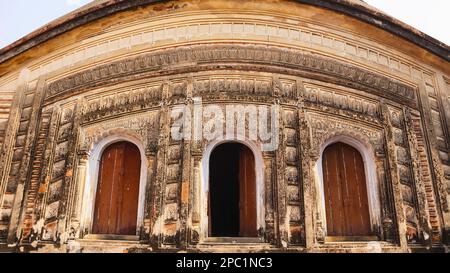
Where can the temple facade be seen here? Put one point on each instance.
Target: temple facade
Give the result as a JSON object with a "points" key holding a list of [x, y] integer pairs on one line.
{"points": [[225, 126]]}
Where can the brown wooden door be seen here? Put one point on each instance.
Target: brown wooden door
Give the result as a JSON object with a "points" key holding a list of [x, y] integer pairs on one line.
{"points": [[346, 199], [247, 193], [117, 195]]}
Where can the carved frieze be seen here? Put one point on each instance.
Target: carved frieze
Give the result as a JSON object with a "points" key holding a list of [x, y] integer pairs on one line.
{"points": [[345, 101], [233, 86], [125, 102], [212, 54]]}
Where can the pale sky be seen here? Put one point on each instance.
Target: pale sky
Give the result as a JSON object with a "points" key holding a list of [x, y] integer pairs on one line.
{"points": [[20, 17]]}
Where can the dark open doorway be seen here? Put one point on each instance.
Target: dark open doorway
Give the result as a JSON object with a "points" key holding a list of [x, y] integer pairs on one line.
{"points": [[232, 198]]}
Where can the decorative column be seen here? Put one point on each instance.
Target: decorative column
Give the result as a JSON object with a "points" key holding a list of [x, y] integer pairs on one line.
{"points": [[149, 204], [186, 163], [306, 176], [76, 212], [393, 177], [19, 183], [195, 211], [270, 198]]}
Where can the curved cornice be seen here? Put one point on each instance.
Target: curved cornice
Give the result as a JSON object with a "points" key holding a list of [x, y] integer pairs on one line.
{"points": [[195, 58], [103, 8]]}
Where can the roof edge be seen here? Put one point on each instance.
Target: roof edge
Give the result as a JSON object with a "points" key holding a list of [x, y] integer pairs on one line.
{"points": [[90, 13]]}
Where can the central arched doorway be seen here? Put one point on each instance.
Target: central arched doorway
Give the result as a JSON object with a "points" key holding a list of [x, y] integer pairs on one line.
{"points": [[117, 194], [232, 196]]}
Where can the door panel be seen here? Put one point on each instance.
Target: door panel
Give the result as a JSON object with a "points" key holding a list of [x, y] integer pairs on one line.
{"points": [[247, 193], [118, 190], [345, 191]]}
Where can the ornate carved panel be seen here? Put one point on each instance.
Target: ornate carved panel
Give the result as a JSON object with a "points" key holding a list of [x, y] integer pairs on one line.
{"points": [[143, 125], [324, 127]]}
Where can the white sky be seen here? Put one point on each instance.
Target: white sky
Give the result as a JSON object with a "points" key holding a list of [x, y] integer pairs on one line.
{"points": [[429, 16], [20, 17]]}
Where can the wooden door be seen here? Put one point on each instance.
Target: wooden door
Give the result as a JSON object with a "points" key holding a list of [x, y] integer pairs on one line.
{"points": [[117, 195], [247, 193], [345, 189]]}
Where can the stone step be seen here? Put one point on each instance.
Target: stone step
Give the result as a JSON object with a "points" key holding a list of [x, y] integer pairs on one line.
{"points": [[234, 240]]}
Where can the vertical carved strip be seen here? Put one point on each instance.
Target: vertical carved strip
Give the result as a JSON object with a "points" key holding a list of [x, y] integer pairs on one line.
{"points": [[387, 211], [270, 203], [149, 202], [435, 140], [306, 178], [176, 186], [405, 173], [283, 220], [184, 192], [70, 192], [9, 154], [151, 154], [394, 188], [291, 174], [75, 211], [426, 172], [59, 176], [158, 190], [195, 199], [29, 119], [46, 173], [418, 176], [6, 101], [35, 174]]}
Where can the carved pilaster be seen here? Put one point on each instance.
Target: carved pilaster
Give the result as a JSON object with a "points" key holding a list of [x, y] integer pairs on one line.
{"points": [[160, 182], [9, 155], [281, 187], [185, 171], [431, 121], [418, 176], [35, 174], [394, 188], [79, 185], [270, 198], [32, 114], [146, 231], [307, 179], [194, 202]]}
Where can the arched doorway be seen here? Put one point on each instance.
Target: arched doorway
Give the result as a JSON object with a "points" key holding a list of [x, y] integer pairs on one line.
{"points": [[117, 195], [345, 191], [232, 197]]}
